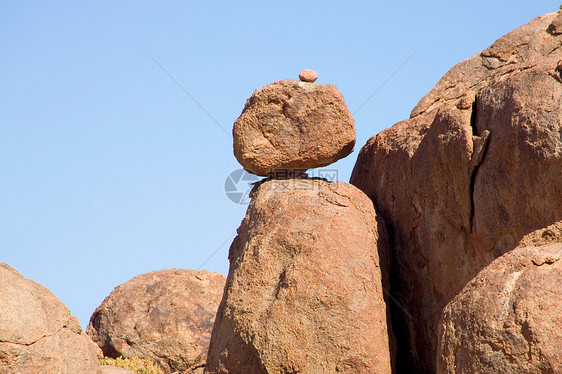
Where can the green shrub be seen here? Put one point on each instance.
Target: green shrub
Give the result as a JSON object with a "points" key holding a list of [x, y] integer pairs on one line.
{"points": [[135, 364]]}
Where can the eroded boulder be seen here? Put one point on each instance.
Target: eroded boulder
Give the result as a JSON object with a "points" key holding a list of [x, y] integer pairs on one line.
{"points": [[290, 125], [37, 332], [165, 316], [475, 169], [507, 319], [304, 291]]}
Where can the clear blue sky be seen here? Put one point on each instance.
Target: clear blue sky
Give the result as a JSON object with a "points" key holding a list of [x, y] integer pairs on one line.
{"points": [[109, 170]]}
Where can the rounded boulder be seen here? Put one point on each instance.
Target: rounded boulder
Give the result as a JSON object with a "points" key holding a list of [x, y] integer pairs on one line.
{"points": [[165, 316], [291, 125], [507, 319], [37, 332]]}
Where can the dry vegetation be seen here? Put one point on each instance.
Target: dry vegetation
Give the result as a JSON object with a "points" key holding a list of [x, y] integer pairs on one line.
{"points": [[135, 364]]}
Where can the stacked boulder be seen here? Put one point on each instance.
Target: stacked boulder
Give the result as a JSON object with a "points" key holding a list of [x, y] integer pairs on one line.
{"points": [[466, 241], [304, 293], [293, 125]]}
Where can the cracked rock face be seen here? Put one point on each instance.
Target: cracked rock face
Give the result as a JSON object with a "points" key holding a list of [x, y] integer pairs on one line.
{"points": [[37, 332], [304, 291], [165, 316], [475, 169], [293, 125], [507, 319]]}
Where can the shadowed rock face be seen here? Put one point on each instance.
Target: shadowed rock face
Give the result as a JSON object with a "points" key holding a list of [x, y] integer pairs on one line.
{"points": [[293, 125], [304, 291], [507, 319], [165, 316], [37, 332], [475, 169]]}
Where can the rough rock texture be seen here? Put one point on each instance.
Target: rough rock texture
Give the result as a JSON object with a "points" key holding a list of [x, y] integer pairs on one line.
{"points": [[508, 319], [304, 290], [293, 125], [165, 316], [550, 234], [476, 168], [37, 332]]}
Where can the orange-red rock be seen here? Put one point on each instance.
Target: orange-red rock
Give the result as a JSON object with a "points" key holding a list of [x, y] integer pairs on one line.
{"points": [[37, 332], [546, 235], [304, 292], [308, 75], [508, 319], [475, 169], [293, 125], [165, 316]]}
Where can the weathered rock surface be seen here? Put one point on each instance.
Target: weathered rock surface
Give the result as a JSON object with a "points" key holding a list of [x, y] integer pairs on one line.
{"points": [[304, 292], [476, 168], [293, 125], [546, 235], [37, 332], [508, 319], [165, 316]]}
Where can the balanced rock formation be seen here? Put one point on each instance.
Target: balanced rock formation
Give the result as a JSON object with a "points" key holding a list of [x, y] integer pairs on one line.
{"points": [[37, 332], [508, 319], [304, 291], [293, 125], [165, 316], [308, 75], [475, 169]]}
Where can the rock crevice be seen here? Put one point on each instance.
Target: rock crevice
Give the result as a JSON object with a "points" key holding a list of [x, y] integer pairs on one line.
{"points": [[474, 170]]}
